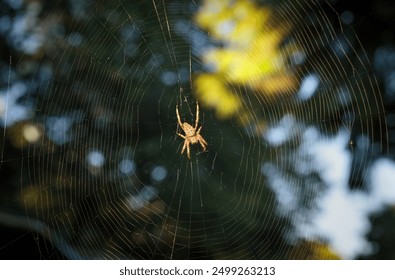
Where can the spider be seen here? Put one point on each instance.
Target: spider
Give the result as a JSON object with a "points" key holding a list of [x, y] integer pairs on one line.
{"points": [[192, 134]]}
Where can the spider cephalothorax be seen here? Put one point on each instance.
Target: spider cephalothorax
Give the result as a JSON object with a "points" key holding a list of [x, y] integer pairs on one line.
{"points": [[192, 134]]}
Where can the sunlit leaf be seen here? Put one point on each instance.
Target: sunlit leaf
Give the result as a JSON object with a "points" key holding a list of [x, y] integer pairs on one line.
{"points": [[252, 54]]}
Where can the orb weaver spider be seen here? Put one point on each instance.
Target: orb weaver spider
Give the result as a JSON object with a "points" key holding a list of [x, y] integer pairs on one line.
{"points": [[192, 134]]}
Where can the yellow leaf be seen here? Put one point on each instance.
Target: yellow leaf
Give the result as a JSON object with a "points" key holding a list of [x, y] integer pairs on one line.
{"points": [[213, 93]]}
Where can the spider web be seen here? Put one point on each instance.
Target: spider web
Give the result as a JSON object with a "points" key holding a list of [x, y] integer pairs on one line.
{"points": [[94, 159]]}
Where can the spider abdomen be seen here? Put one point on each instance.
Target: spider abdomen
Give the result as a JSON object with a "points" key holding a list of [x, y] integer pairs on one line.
{"points": [[188, 129]]}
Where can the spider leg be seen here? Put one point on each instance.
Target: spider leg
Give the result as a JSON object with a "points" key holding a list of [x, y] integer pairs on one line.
{"points": [[197, 115], [188, 150], [198, 131], [183, 147], [178, 117], [181, 135], [202, 142]]}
